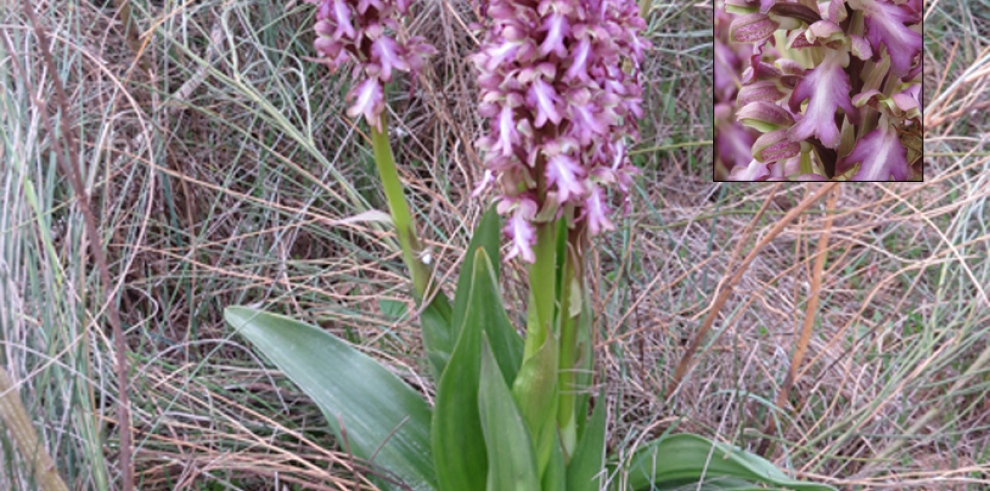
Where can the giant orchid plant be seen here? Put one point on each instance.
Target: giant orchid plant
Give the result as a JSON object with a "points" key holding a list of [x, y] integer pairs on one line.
{"points": [[832, 89], [560, 89]]}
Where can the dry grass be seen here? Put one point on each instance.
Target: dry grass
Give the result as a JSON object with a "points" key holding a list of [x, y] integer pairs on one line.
{"points": [[222, 176]]}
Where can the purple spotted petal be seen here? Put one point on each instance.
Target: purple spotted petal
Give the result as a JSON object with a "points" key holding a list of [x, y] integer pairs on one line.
{"points": [[764, 90], [752, 28], [765, 116], [774, 146], [827, 86]]}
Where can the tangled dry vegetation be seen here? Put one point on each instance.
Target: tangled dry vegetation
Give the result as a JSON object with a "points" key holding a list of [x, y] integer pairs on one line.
{"points": [[222, 170]]}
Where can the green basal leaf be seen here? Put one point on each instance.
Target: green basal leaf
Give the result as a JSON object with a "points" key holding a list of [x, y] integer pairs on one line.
{"points": [[382, 415], [511, 463], [684, 458], [458, 441], [587, 464], [555, 475], [438, 337], [442, 325]]}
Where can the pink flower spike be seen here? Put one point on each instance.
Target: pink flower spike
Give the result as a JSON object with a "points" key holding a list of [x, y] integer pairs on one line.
{"points": [[827, 86], [557, 27], [881, 155], [544, 99], [597, 213], [523, 237], [565, 173], [368, 102], [885, 24]]}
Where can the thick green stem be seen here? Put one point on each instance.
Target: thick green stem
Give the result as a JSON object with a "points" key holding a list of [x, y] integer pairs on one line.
{"points": [[571, 296], [542, 288], [401, 217]]}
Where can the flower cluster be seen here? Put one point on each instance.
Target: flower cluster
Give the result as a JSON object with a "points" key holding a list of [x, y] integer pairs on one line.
{"points": [[559, 83], [358, 30], [812, 69]]}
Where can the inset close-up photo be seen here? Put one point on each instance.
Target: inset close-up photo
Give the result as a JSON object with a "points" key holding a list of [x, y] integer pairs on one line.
{"points": [[818, 91]]}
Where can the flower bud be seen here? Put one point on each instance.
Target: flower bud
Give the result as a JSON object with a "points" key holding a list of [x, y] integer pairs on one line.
{"points": [[774, 146], [860, 47], [827, 33], [764, 90], [752, 28], [741, 7], [764, 116]]}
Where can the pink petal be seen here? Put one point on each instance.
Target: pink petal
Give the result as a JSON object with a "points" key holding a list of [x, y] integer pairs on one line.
{"points": [[881, 155], [544, 99], [885, 24], [368, 101], [342, 14], [566, 174], [523, 237], [597, 213], [557, 27], [387, 53], [827, 86], [507, 133], [579, 61]]}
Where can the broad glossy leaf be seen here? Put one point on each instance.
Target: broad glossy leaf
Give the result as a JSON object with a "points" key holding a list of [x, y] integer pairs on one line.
{"points": [[585, 468], [379, 411], [511, 463], [684, 457]]}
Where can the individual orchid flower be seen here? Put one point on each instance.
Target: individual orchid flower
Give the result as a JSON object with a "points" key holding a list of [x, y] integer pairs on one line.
{"points": [[880, 155], [827, 88]]}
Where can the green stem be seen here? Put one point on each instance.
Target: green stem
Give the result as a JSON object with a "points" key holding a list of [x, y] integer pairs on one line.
{"points": [[571, 296], [401, 217], [542, 288]]}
